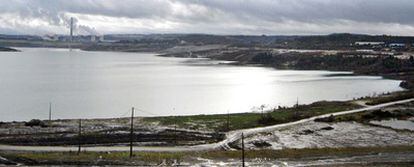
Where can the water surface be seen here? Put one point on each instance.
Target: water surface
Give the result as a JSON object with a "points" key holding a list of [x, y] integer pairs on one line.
{"points": [[84, 84]]}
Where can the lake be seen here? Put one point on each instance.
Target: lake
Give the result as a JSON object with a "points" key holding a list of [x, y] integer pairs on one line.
{"points": [[83, 84]]}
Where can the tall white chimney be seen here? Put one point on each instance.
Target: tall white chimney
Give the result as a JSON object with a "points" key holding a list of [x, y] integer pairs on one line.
{"points": [[71, 29]]}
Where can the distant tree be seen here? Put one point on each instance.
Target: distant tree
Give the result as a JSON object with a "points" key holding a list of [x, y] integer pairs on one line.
{"points": [[264, 58], [35, 122], [391, 63]]}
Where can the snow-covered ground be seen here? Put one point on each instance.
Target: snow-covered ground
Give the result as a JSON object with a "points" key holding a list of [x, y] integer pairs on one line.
{"points": [[299, 134], [318, 135], [396, 124]]}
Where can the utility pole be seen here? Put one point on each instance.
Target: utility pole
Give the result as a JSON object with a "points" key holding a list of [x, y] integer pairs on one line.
{"points": [[297, 102], [50, 115], [132, 133], [79, 136], [175, 127], [50, 112], [242, 149], [175, 131], [297, 107], [228, 121]]}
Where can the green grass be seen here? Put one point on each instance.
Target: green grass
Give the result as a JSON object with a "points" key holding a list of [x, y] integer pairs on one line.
{"points": [[99, 158], [95, 158], [307, 152], [218, 122], [366, 117], [389, 98]]}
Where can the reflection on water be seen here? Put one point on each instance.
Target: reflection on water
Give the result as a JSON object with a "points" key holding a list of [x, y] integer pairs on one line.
{"points": [[106, 84]]}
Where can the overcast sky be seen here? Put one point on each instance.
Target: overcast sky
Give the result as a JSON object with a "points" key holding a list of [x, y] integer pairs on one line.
{"points": [[252, 17]]}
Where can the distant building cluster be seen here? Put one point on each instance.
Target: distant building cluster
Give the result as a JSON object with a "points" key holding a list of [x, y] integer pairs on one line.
{"points": [[78, 38], [386, 46]]}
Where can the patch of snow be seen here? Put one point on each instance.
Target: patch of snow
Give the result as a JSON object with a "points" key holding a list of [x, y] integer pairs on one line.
{"points": [[343, 134], [396, 124]]}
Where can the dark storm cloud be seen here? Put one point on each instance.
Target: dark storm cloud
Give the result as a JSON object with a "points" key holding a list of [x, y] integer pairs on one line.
{"points": [[211, 16], [400, 11]]}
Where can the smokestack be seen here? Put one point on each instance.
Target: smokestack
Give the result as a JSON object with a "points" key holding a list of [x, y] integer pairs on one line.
{"points": [[71, 29]]}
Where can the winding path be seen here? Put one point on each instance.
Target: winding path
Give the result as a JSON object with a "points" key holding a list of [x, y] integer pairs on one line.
{"points": [[231, 136]]}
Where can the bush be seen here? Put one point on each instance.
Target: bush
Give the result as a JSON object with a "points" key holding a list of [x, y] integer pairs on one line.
{"points": [[35, 122], [265, 58], [331, 118], [267, 119]]}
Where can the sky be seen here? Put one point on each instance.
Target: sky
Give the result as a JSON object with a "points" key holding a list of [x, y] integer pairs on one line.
{"points": [[223, 17]]}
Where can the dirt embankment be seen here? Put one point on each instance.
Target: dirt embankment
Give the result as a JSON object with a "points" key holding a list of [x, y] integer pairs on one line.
{"points": [[100, 132], [6, 49]]}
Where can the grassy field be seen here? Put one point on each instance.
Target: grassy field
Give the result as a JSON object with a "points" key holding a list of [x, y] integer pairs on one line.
{"points": [[153, 158], [400, 111], [218, 122], [389, 98]]}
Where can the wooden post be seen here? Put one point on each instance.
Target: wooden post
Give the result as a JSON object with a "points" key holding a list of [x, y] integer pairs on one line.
{"points": [[80, 136], [297, 102], [175, 130], [132, 134], [242, 150], [228, 121], [50, 115], [175, 127], [50, 112], [297, 107]]}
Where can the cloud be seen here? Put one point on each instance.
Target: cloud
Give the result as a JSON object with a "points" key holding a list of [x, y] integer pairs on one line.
{"points": [[209, 16]]}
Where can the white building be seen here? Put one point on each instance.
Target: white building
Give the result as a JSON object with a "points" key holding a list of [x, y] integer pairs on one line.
{"points": [[369, 43], [396, 45], [93, 38]]}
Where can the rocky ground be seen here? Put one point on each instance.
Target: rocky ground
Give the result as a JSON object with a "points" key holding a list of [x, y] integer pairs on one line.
{"points": [[335, 141], [99, 132], [319, 135], [7, 49], [389, 126]]}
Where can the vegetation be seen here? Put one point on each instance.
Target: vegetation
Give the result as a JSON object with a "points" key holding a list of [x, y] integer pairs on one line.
{"points": [[340, 62], [6, 49], [167, 138], [36, 122], [359, 63], [381, 114], [218, 122], [390, 98], [153, 158]]}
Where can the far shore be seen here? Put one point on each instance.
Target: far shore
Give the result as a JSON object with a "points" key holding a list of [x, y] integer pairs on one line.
{"points": [[8, 49]]}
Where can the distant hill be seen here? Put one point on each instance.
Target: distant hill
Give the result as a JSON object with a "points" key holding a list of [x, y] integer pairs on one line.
{"points": [[343, 41], [6, 49], [158, 42]]}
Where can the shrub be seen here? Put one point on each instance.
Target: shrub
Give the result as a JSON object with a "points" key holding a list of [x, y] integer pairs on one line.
{"points": [[331, 118], [35, 122], [267, 119]]}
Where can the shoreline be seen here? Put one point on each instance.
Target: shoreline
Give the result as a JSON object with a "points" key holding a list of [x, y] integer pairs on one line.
{"points": [[214, 153], [177, 137], [209, 59], [165, 129]]}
